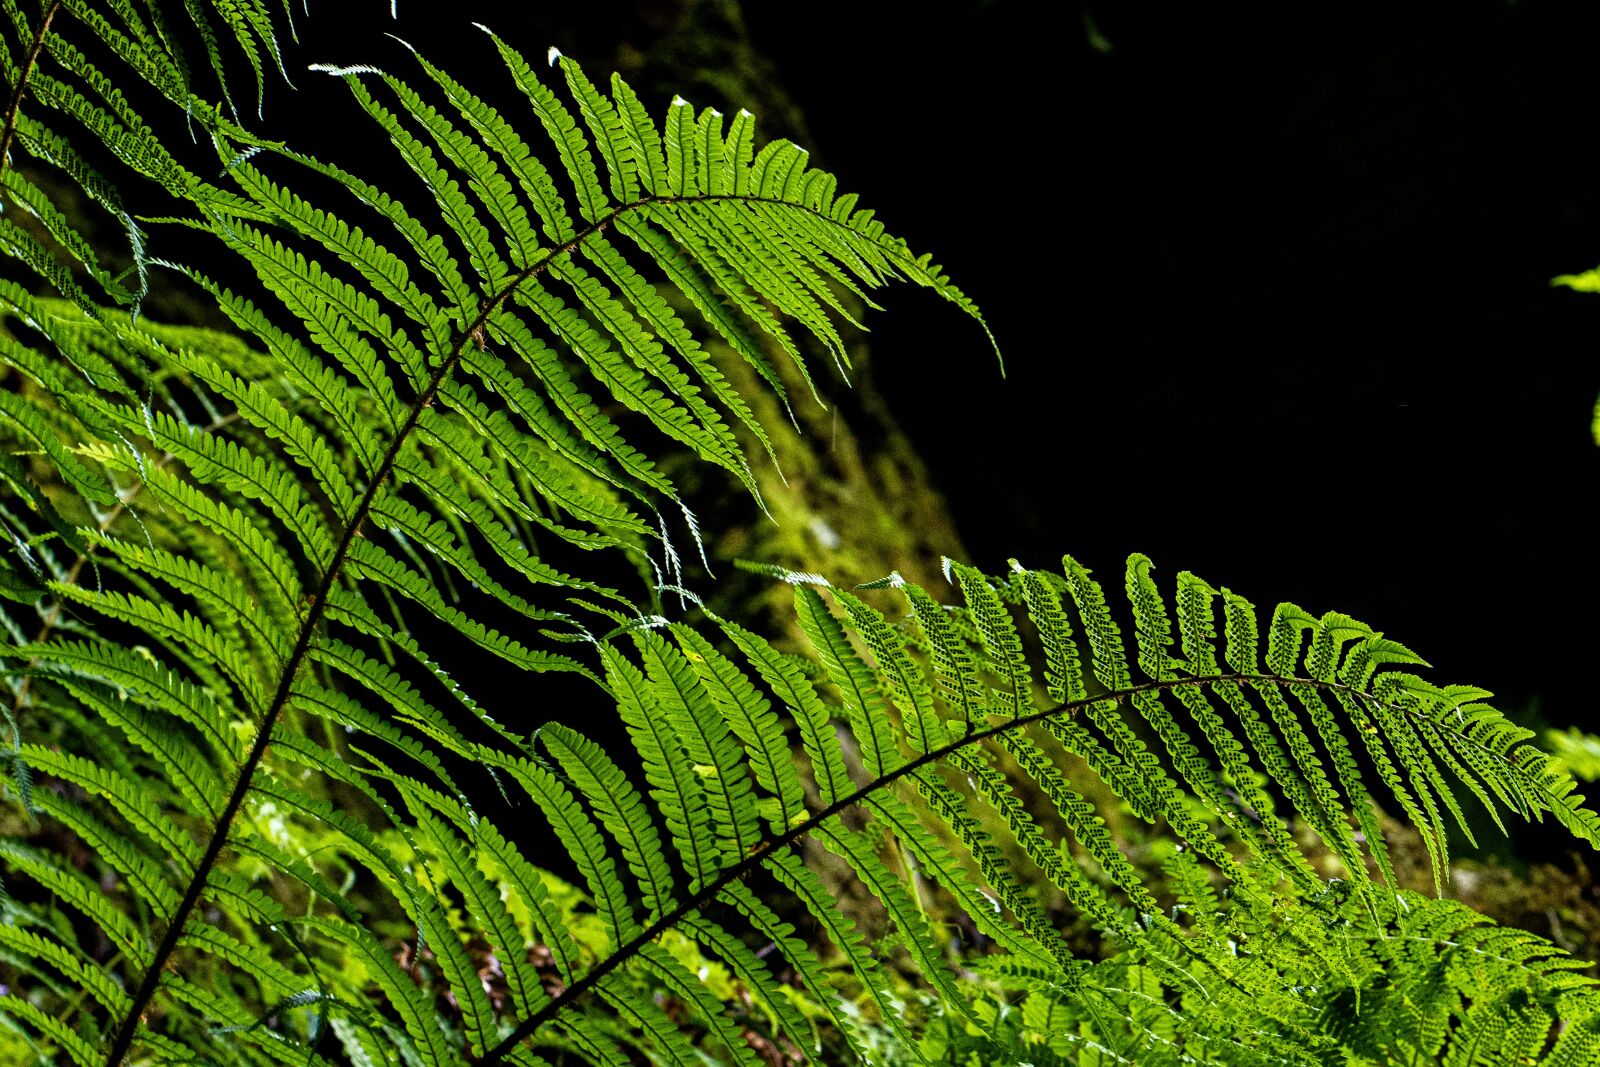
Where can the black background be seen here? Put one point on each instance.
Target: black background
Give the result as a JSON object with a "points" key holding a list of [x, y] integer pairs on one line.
{"points": [[1272, 285]]}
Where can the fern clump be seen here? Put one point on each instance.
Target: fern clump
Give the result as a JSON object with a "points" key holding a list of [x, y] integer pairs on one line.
{"points": [[271, 806]]}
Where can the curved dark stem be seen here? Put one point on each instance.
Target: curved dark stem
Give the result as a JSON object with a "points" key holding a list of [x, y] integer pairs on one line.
{"points": [[30, 61], [129, 1026], [759, 854]]}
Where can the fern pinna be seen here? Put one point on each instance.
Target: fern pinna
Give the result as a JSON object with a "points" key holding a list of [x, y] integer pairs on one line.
{"points": [[266, 823]]}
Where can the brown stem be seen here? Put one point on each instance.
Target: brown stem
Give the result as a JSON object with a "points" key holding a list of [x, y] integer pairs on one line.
{"points": [[302, 645], [29, 62]]}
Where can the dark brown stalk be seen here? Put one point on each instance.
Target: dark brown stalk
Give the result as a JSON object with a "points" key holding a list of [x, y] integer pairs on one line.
{"points": [[14, 105]]}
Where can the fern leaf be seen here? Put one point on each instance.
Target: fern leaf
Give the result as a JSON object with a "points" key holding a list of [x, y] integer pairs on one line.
{"points": [[698, 425], [580, 410], [707, 294], [532, 177], [955, 670], [621, 810], [483, 176], [382, 269], [75, 1045], [706, 742], [427, 1040], [570, 144], [144, 678], [1197, 627], [326, 306], [755, 975], [484, 903], [655, 312], [720, 260], [192, 777], [81, 894], [423, 415], [581, 838], [1000, 642], [459, 216], [809, 891], [907, 686], [83, 974], [607, 130], [820, 743], [863, 702], [145, 875], [677, 981], [859, 850], [677, 792], [750, 718]]}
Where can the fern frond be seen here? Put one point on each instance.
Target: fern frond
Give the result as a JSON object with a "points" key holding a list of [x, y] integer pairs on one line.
{"points": [[1237, 983]]}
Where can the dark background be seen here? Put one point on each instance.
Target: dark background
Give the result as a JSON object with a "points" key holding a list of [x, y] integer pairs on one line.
{"points": [[1272, 286], [1273, 292]]}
